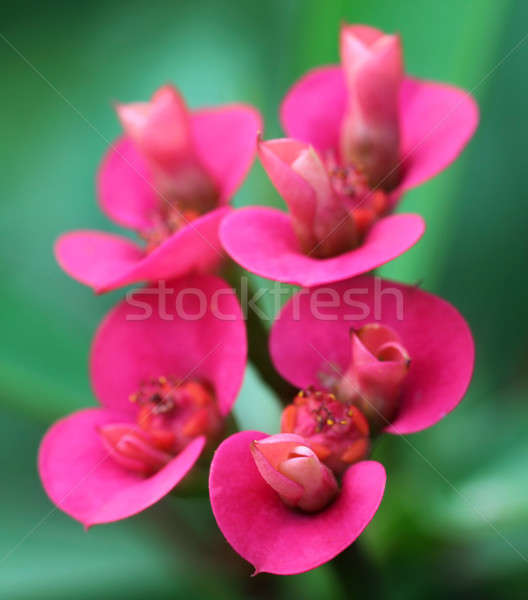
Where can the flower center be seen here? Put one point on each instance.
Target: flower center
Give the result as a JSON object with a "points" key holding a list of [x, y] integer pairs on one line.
{"points": [[336, 431], [170, 414], [365, 205], [183, 197]]}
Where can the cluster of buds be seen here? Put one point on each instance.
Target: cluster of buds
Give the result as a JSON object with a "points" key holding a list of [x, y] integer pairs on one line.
{"points": [[334, 427]]}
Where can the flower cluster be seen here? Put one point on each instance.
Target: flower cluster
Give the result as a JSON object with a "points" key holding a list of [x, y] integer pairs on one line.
{"points": [[359, 135]]}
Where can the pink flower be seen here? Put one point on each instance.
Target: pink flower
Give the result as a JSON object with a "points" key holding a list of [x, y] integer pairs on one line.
{"points": [[321, 240], [433, 121], [361, 134], [263, 493], [170, 178], [402, 356], [166, 370]]}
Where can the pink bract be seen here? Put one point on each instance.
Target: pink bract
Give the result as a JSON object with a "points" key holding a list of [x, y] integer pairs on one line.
{"points": [[368, 106], [311, 337], [273, 537], [77, 472], [105, 261], [262, 240], [198, 328], [82, 479], [221, 145]]}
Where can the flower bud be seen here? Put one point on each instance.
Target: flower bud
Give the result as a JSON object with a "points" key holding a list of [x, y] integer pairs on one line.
{"points": [[377, 370], [294, 471], [133, 448], [160, 129], [321, 220], [370, 133]]}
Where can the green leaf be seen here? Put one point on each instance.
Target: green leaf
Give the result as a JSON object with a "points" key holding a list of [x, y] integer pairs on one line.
{"points": [[257, 407]]}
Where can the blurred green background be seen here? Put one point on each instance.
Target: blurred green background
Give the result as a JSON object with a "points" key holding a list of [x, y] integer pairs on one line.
{"points": [[454, 521]]}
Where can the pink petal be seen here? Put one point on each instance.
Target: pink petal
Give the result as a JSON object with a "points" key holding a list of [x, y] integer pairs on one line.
{"points": [[305, 341], [130, 445], [82, 479], [276, 448], [314, 107], [263, 242], [96, 258], [368, 35], [277, 157], [370, 131], [124, 185], [225, 141], [273, 537], [160, 128], [105, 261], [290, 490], [190, 328], [437, 121], [318, 482], [374, 78]]}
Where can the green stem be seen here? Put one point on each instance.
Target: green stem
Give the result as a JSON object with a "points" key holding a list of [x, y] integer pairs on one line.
{"points": [[260, 357], [258, 337]]}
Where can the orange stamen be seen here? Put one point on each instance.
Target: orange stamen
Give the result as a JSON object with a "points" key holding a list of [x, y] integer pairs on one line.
{"points": [[197, 424], [322, 451], [379, 202], [199, 393], [144, 416], [289, 418], [163, 439], [355, 451], [360, 421], [300, 399], [363, 217]]}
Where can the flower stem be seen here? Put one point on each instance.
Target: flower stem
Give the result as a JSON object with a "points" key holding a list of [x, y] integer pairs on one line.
{"points": [[258, 335]]}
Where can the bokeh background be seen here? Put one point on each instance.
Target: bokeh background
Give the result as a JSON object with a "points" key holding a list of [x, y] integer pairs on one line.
{"points": [[454, 521]]}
